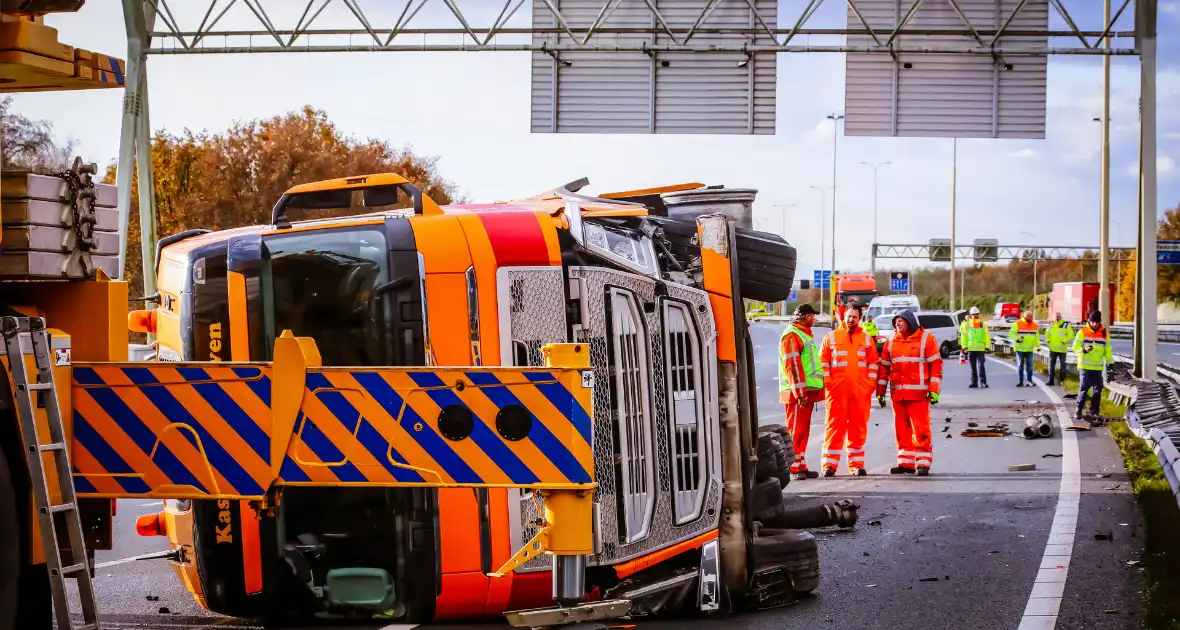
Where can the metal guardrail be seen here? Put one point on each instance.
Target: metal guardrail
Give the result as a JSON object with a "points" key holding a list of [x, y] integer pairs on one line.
{"points": [[1117, 331]]}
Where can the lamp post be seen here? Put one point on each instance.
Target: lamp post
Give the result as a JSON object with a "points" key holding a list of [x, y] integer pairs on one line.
{"points": [[954, 208], [835, 118], [875, 166], [823, 208], [1036, 255], [783, 209]]}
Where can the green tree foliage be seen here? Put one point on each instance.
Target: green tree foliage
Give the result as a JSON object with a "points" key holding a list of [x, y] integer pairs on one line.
{"points": [[1168, 276], [232, 179]]}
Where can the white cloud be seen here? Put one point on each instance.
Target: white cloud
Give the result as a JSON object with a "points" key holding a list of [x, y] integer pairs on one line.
{"points": [[1025, 153], [1165, 167]]}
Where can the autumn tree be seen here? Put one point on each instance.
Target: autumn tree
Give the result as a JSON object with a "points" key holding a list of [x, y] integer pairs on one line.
{"points": [[232, 179], [29, 144], [1167, 276]]}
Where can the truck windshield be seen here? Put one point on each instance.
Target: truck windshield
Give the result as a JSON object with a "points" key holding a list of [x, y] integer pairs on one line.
{"points": [[321, 284]]}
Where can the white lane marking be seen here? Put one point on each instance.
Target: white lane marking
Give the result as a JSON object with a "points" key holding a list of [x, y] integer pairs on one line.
{"points": [[400, 626], [141, 556], [1044, 601]]}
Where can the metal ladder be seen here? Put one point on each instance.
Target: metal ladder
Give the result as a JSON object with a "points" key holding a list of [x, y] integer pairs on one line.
{"points": [[16, 330]]}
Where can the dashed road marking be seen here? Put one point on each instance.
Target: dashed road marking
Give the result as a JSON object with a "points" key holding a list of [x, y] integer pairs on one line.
{"points": [[1044, 601]]}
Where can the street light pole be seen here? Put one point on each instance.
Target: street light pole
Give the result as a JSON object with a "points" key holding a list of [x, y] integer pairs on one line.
{"points": [[1104, 221], [835, 118], [876, 166], [954, 204], [823, 208]]}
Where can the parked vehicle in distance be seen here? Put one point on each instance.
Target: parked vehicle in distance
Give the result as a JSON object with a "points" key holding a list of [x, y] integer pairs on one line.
{"points": [[1007, 311], [944, 325], [1075, 300], [890, 304]]}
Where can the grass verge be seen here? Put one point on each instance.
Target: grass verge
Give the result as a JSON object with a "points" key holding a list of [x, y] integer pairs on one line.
{"points": [[1161, 553]]}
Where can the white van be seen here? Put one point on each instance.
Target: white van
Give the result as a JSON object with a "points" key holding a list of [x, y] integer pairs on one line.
{"points": [[890, 304]]}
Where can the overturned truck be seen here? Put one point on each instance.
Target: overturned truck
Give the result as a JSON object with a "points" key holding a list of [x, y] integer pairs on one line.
{"points": [[688, 513]]}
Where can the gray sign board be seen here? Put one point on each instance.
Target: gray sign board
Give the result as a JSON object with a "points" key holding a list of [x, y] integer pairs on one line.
{"points": [[598, 91], [947, 95]]}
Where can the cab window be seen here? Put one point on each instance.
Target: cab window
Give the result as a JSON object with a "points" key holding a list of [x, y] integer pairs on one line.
{"points": [[324, 284]]}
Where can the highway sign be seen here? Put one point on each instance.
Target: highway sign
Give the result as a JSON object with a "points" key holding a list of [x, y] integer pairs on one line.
{"points": [[794, 296], [1167, 253], [940, 249], [899, 282], [823, 281]]}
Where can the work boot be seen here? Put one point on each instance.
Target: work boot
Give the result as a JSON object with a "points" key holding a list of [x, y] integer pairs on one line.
{"points": [[923, 471], [985, 385], [901, 470], [861, 472], [829, 471], [973, 386], [804, 475], [1020, 384], [1050, 383]]}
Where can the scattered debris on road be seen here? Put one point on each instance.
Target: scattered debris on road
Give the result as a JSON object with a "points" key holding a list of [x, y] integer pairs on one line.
{"points": [[1103, 475], [153, 598], [875, 522], [1021, 467], [1050, 455], [928, 579]]}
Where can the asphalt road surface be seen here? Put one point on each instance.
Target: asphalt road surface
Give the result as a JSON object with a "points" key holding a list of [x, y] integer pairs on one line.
{"points": [[971, 546], [1164, 352]]}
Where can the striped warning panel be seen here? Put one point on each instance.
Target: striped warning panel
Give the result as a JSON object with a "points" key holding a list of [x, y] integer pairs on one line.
{"points": [[206, 430], [172, 430], [495, 427]]}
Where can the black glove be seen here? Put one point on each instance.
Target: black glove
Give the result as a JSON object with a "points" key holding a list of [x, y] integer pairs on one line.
{"points": [[881, 401]]}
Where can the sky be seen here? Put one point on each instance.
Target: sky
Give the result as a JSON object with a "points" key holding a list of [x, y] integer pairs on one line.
{"points": [[471, 109]]}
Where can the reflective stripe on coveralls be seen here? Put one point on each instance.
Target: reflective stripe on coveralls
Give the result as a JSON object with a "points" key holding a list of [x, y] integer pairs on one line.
{"points": [[801, 385], [1059, 336], [849, 385], [1026, 336], [974, 336], [1093, 348], [911, 367]]}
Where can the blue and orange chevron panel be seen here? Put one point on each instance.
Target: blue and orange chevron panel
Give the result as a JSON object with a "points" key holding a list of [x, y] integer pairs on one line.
{"points": [[208, 430]]}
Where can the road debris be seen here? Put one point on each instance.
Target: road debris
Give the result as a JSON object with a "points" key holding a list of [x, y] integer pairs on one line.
{"points": [[1103, 475], [164, 610], [1037, 426], [945, 429], [928, 579], [876, 522], [1107, 535], [1021, 467], [972, 424], [1050, 455], [153, 598]]}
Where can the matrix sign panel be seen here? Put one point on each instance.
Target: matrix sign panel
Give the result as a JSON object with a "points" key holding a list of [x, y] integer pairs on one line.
{"points": [[947, 95], [588, 91]]}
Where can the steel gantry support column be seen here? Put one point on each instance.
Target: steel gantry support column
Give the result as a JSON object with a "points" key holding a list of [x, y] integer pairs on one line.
{"points": [[135, 141], [1145, 323]]}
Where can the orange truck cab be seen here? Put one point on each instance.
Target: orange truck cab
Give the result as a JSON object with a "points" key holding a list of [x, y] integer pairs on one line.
{"points": [[400, 281]]}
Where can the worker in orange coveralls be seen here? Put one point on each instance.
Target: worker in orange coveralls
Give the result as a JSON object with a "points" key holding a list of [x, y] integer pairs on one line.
{"points": [[911, 366], [849, 360], [801, 384]]}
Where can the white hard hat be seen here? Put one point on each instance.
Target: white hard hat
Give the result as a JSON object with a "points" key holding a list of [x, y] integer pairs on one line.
{"points": [[974, 310]]}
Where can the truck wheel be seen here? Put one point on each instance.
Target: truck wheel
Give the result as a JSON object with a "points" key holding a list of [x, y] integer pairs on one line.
{"points": [[10, 556], [945, 349], [766, 496], [793, 551]]}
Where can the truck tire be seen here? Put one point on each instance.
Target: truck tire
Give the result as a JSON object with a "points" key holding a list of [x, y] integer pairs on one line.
{"points": [[10, 556], [794, 551], [766, 497], [766, 266]]}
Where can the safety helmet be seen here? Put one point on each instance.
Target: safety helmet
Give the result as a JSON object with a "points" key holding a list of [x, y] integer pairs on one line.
{"points": [[974, 310]]}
